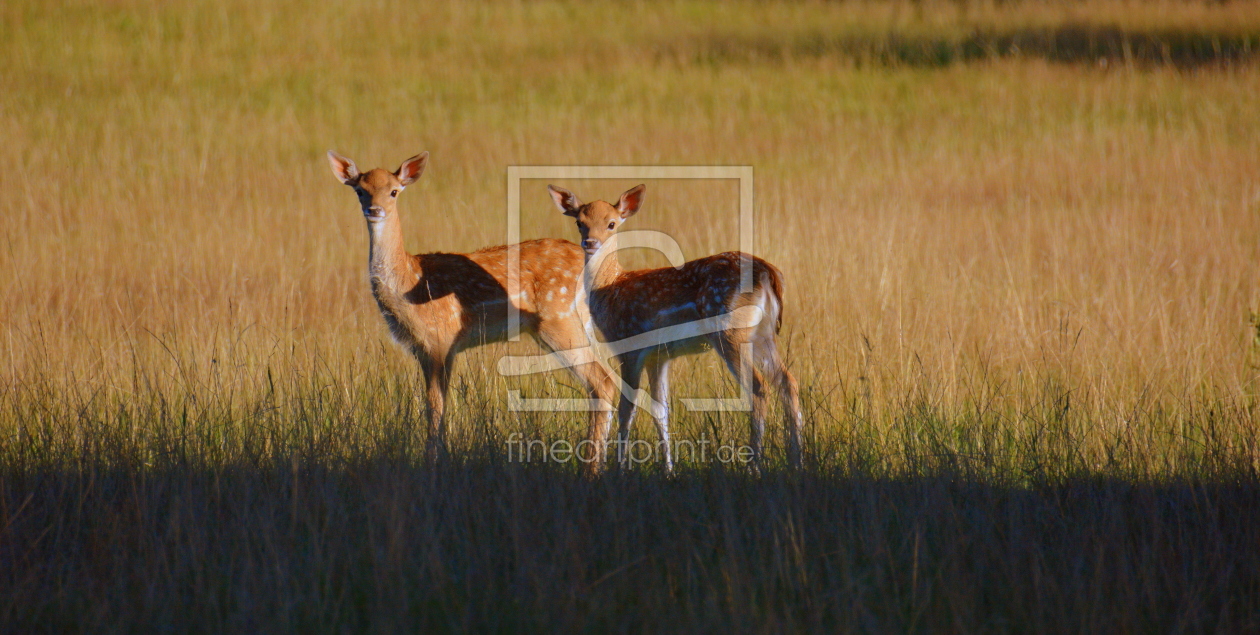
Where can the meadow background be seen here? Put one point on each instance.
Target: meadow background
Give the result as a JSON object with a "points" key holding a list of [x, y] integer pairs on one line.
{"points": [[1020, 240]]}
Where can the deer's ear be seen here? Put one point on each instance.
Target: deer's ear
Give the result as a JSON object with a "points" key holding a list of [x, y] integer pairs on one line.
{"points": [[630, 201], [343, 168], [567, 201], [412, 168]]}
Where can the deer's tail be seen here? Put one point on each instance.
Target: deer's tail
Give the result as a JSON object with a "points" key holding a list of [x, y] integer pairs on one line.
{"points": [[774, 277]]}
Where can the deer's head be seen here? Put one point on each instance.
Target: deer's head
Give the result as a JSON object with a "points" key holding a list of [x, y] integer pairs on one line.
{"points": [[597, 221], [378, 189]]}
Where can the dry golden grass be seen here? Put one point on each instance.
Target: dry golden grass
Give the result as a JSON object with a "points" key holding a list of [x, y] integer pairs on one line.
{"points": [[1036, 262], [998, 224]]}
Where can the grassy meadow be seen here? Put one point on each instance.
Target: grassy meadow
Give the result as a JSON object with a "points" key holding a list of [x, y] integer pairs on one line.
{"points": [[1021, 249]]}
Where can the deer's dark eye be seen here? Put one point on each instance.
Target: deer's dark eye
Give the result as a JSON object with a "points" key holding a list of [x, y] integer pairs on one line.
{"points": [[394, 193], [612, 225]]}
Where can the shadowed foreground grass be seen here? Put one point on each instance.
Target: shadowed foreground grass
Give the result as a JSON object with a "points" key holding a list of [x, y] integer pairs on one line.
{"points": [[298, 542]]}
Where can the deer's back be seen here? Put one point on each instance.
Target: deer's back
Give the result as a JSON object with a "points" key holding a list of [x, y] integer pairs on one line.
{"points": [[648, 299]]}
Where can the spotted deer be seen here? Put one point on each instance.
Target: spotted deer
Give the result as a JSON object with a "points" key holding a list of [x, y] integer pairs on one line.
{"points": [[439, 304], [625, 304]]}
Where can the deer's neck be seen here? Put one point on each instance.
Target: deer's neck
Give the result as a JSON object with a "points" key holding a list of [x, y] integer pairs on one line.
{"points": [[392, 270], [604, 268]]}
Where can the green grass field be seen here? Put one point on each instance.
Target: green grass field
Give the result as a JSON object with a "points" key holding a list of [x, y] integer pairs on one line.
{"points": [[1022, 246]]}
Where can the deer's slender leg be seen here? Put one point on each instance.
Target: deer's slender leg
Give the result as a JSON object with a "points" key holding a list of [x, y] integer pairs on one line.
{"points": [[658, 376], [738, 358], [631, 375], [777, 373], [565, 339], [437, 376]]}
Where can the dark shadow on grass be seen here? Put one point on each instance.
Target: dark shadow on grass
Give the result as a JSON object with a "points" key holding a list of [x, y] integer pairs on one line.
{"points": [[1068, 44], [484, 544]]}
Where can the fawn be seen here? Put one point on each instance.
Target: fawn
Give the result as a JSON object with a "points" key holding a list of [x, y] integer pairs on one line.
{"points": [[624, 304]]}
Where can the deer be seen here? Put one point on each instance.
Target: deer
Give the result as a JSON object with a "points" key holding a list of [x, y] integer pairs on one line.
{"points": [[631, 304], [436, 305]]}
